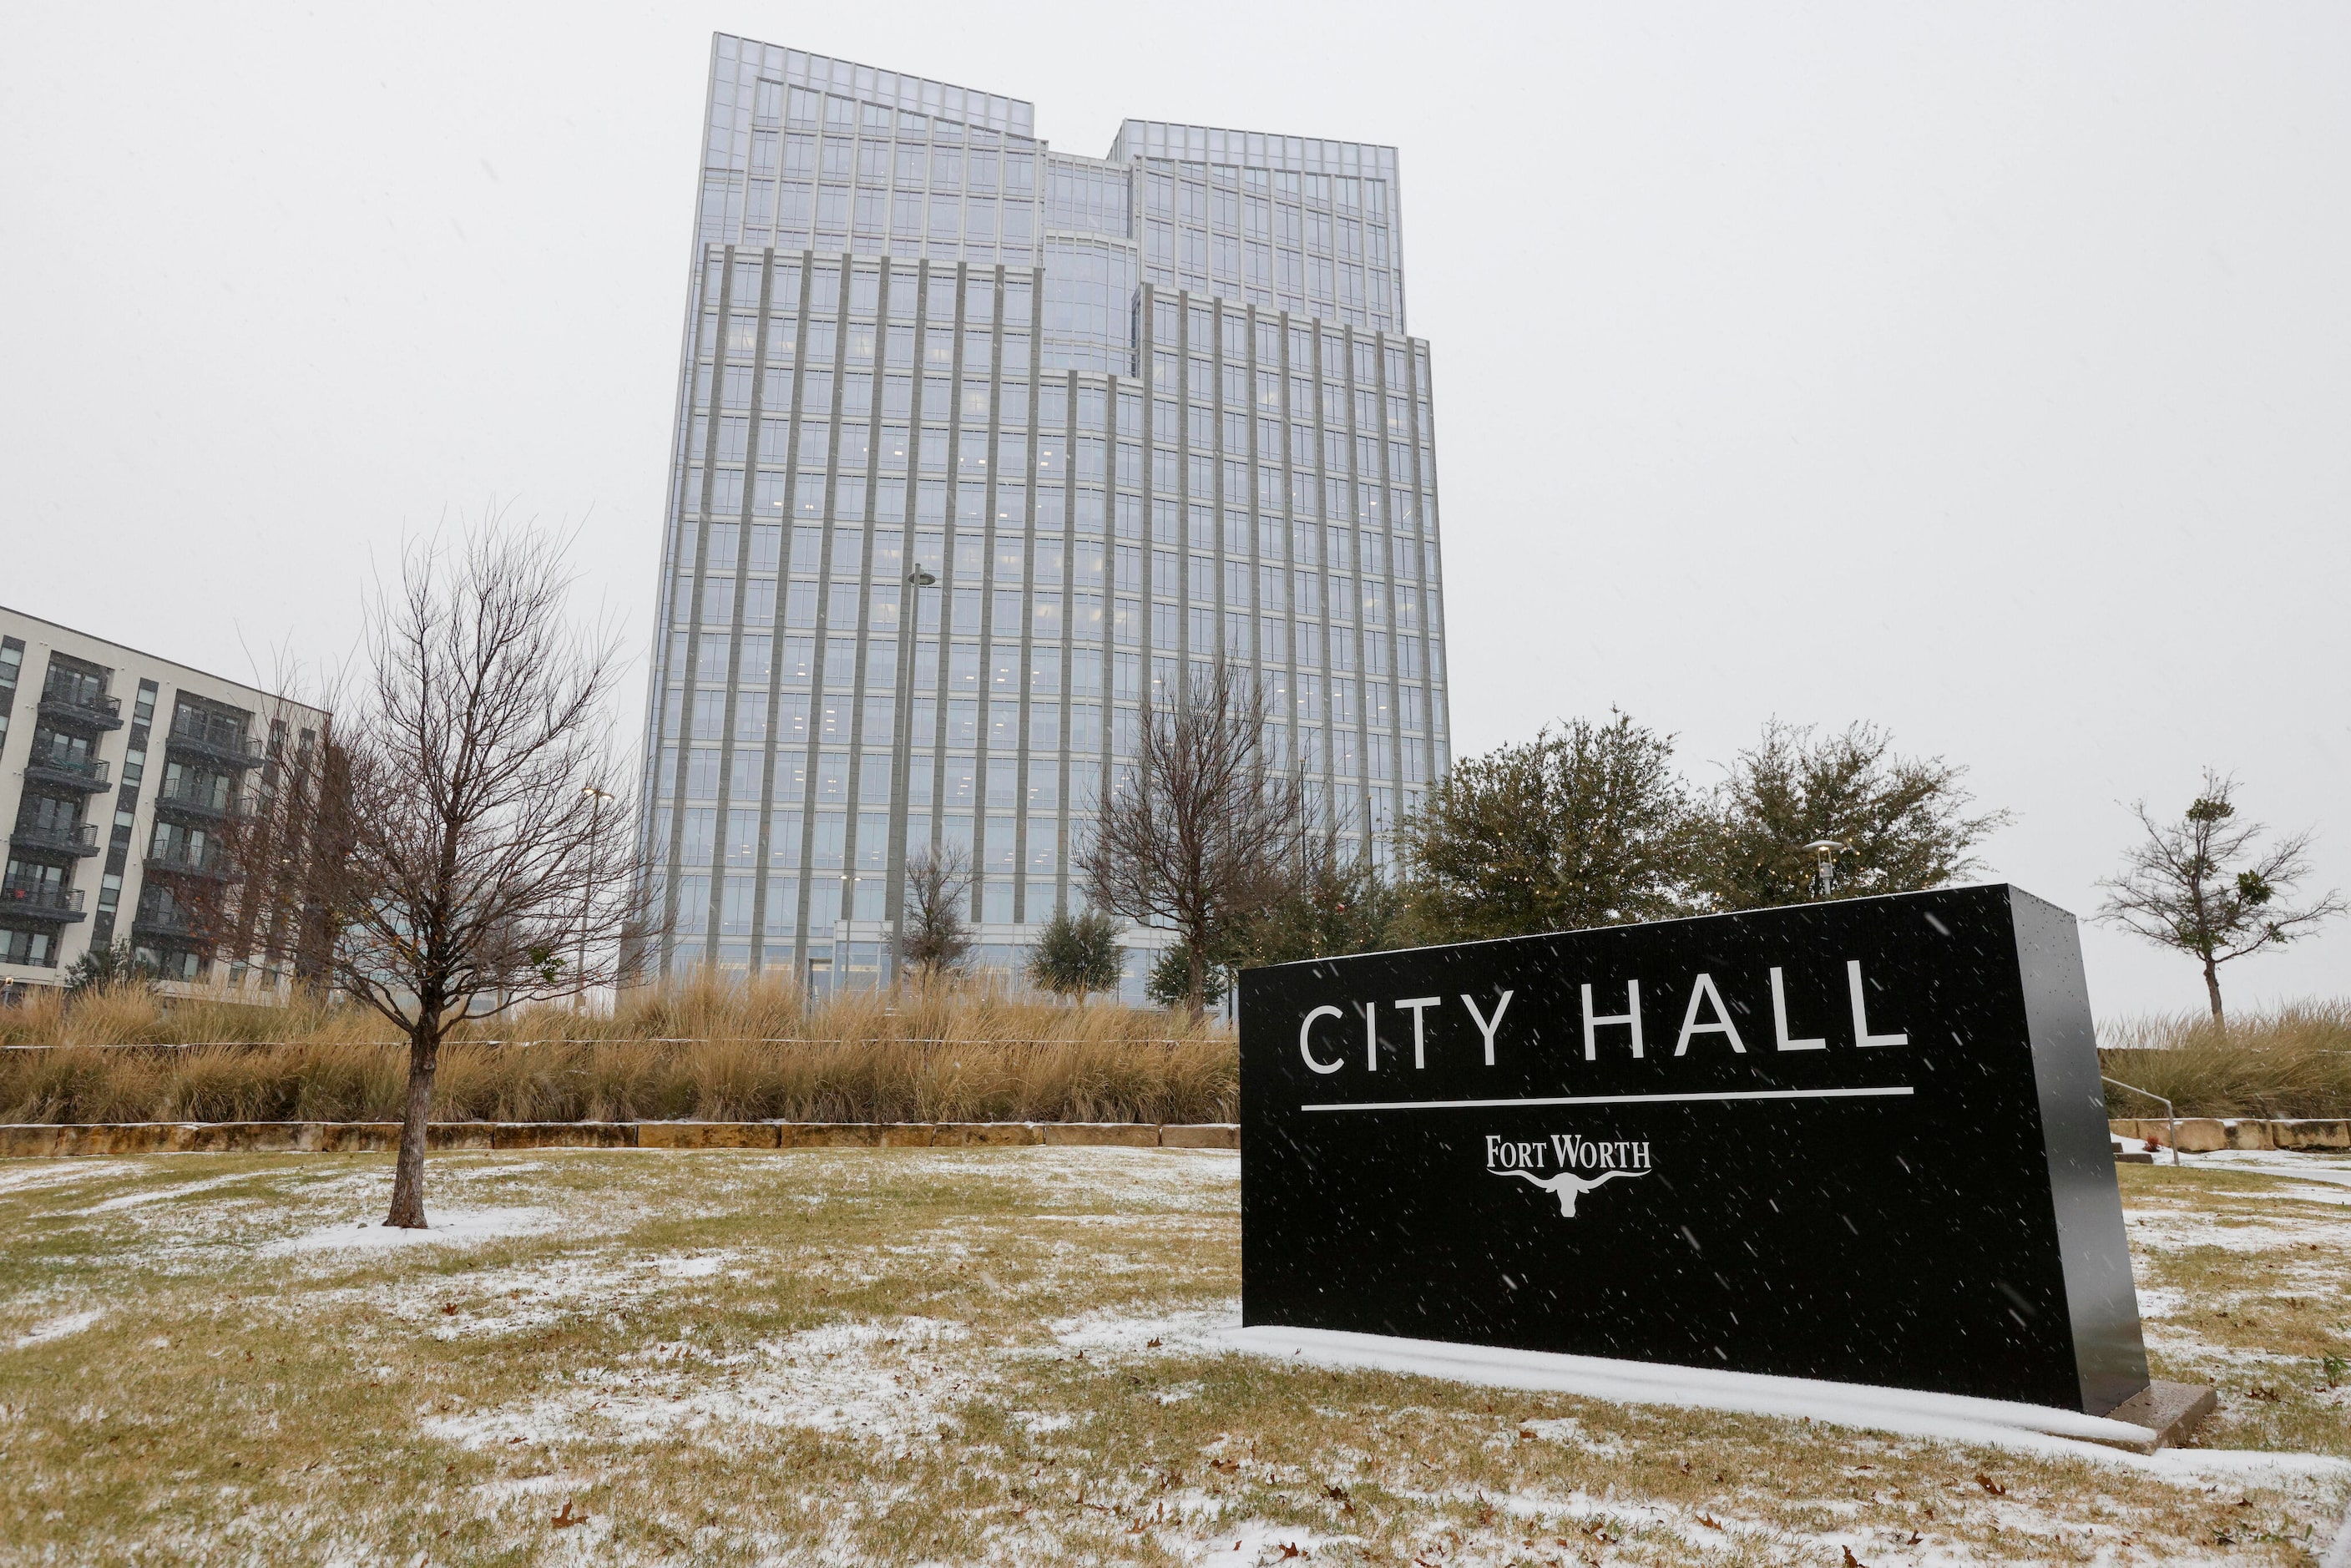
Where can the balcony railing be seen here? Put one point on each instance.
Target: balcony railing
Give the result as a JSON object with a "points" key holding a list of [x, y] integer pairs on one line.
{"points": [[218, 743], [84, 773], [165, 922], [81, 708], [199, 803], [189, 862], [56, 841], [22, 900]]}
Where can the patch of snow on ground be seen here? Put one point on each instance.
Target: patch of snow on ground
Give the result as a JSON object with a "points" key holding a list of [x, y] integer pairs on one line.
{"points": [[1116, 1335], [36, 1174], [2325, 1167], [855, 1379], [454, 1226], [157, 1195], [58, 1328]]}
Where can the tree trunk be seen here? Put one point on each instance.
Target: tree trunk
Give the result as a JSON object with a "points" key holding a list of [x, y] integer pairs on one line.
{"points": [[2212, 987], [1196, 1001], [408, 1177]]}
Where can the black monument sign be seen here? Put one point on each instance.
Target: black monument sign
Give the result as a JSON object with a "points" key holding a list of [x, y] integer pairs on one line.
{"points": [[1862, 1141]]}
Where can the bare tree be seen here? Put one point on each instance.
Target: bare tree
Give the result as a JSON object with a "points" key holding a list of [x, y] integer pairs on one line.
{"points": [[2199, 886], [1190, 837], [938, 888], [443, 855]]}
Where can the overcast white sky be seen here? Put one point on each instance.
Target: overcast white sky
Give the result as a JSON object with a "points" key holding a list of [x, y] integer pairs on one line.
{"points": [[1983, 370]]}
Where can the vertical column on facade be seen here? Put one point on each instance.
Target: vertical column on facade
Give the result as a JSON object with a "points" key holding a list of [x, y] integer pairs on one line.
{"points": [[983, 704], [804, 271], [941, 674], [1024, 550], [722, 831], [869, 590], [910, 603], [819, 686], [675, 503], [705, 395], [1065, 780], [1285, 459], [1440, 728], [1359, 643]]}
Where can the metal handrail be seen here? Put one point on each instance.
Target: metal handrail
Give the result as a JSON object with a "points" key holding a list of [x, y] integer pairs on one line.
{"points": [[82, 836], [2171, 1114]]}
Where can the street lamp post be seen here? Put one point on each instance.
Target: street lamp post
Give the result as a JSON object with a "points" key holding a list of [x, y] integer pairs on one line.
{"points": [[587, 892], [1824, 874], [894, 896]]}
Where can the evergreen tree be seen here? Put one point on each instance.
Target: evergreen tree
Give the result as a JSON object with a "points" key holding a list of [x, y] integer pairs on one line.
{"points": [[1170, 982], [1330, 903], [102, 967], [1585, 825], [1897, 824], [1076, 955]]}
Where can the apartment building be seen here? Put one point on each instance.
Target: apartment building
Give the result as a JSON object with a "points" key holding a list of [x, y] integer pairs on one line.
{"points": [[123, 775]]}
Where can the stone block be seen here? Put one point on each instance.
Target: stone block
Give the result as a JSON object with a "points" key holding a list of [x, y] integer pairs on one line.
{"points": [[236, 1137], [2197, 1134], [707, 1135], [1115, 1134], [827, 1134], [31, 1141], [477, 1137], [564, 1135], [906, 1135], [359, 1138], [119, 1139], [2249, 1134], [985, 1134], [1201, 1135], [2170, 1410], [2311, 1134]]}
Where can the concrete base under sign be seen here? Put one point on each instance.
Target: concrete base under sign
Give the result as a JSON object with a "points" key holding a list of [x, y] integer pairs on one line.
{"points": [[2170, 1410], [2131, 1428]]}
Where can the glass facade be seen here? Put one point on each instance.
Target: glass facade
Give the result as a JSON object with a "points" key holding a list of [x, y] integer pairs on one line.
{"points": [[917, 338]]}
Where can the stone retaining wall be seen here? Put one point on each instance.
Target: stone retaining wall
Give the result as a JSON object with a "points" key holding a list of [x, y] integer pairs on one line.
{"points": [[40, 1141], [2206, 1135]]}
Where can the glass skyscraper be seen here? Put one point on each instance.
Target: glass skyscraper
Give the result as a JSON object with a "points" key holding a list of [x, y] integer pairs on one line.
{"points": [[1135, 414]]}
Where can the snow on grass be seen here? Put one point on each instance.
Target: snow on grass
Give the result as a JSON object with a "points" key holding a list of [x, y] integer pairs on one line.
{"points": [[449, 1227], [1117, 1334], [162, 1194], [59, 1328], [858, 1379], [945, 1356]]}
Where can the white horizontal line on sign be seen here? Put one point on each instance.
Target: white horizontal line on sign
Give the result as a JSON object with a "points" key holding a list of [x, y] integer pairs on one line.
{"points": [[1614, 1099]]}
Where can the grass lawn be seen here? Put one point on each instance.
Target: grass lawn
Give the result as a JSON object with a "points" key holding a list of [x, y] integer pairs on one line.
{"points": [[990, 1355]]}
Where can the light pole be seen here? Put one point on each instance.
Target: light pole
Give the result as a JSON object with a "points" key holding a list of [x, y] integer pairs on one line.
{"points": [[1826, 849], [894, 896], [587, 892]]}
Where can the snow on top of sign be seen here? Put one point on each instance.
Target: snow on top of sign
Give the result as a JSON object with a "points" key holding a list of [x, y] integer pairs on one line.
{"points": [[1955, 1417]]}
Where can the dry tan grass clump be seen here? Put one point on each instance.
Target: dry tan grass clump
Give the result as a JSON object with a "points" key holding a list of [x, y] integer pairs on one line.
{"points": [[2292, 1061], [703, 1050]]}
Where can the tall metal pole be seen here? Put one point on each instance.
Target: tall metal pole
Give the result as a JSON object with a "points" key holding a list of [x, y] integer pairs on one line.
{"points": [[588, 891], [894, 897]]}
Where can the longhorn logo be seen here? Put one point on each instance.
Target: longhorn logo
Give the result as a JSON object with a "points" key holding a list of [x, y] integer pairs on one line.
{"points": [[1567, 1187]]}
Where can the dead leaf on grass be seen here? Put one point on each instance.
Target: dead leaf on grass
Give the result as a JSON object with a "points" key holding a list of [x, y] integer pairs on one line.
{"points": [[566, 1519], [1990, 1485]]}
